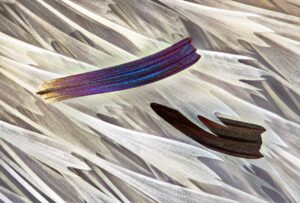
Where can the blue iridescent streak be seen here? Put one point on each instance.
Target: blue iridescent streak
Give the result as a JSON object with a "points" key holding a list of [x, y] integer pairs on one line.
{"points": [[137, 73]]}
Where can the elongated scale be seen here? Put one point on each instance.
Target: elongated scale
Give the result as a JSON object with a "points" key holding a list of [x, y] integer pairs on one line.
{"points": [[147, 70]]}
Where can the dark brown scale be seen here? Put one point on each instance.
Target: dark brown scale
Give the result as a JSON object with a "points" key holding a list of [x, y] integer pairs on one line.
{"points": [[237, 139]]}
